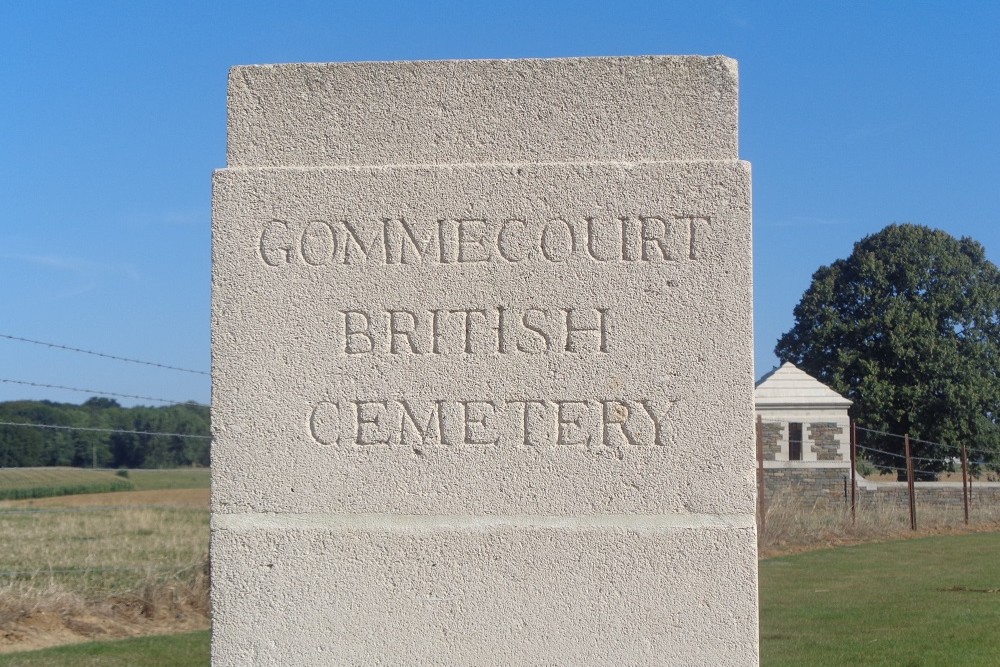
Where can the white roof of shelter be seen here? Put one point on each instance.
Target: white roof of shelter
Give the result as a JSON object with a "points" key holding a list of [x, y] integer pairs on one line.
{"points": [[789, 387]]}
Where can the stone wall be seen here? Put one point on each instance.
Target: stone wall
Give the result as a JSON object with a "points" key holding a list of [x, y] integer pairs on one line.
{"points": [[808, 486], [825, 438], [932, 494], [813, 487], [771, 439]]}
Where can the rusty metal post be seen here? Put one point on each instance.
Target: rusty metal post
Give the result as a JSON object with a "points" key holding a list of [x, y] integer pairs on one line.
{"points": [[854, 472], [761, 504], [909, 483], [965, 484], [972, 495]]}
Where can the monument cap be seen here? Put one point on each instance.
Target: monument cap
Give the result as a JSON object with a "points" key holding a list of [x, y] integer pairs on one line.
{"points": [[647, 109]]}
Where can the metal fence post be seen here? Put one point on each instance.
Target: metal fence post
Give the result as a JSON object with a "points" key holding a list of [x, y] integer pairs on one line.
{"points": [[854, 472], [965, 484], [909, 483]]}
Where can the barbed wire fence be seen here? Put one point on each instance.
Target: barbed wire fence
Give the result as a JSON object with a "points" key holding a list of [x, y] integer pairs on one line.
{"points": [[113, 357], [873, 449], [99, 392], [148, 549]]}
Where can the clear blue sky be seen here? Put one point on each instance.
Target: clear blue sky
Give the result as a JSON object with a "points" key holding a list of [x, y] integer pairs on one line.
{"points": [[854, 115]]}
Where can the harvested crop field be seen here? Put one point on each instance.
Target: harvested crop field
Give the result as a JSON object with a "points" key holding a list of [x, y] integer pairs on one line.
{"points": [[105, 565], [193, 498], [16, 483]]}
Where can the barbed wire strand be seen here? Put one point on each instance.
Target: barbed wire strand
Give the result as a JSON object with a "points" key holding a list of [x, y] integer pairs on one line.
{"points": [[105, 430], [896, 435], [92, 391], [903, 470], [928, 442], [901, 456], [102, 354], [880, 451]]}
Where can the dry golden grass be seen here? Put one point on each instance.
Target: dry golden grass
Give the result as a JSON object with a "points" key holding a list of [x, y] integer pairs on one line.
{"points": [[791, 527], [106, 565], [193, 498]]}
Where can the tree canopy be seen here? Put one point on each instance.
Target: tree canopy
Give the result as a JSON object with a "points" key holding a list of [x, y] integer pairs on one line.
{"points": [[82, 445], [908, 327]]}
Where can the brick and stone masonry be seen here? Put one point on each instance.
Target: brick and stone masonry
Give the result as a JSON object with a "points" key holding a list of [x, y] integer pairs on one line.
{"points": [[826, 438], [807, 486], [771, 434]]}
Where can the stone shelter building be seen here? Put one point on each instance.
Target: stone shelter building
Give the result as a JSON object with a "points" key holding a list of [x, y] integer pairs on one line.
{"points": [[805, 436]]}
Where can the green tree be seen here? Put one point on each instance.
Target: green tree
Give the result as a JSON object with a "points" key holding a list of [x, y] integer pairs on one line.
{"points": [[25, 446], [908, 327], [20, 447]]}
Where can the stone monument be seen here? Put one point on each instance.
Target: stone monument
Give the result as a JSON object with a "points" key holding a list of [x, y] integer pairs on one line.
{"points": [[482, 373]]}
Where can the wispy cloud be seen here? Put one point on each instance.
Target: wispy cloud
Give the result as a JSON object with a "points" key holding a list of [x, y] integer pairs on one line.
{"points": [[803, 221], [185, 217], [738, 20], [76, 264], [179, 218], [868, 131], [56, 262], [85, 275], [74, 291]]}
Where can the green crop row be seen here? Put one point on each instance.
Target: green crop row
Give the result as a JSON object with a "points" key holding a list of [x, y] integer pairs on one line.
{"points": [[98, 486]]}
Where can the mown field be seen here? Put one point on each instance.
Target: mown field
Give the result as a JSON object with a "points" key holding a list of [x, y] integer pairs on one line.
{"points": [[18, 483], [925, 602], [115, 577], [918, 603], [105, 565], [171, 478]]}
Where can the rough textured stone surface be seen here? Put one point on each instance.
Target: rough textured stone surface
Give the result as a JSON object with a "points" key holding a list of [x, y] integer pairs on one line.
{"points": [[482, 372], [809, 487], [826, 437], [565, 110], [417, 593], [771, 434], [284, 333], [931, 494]]}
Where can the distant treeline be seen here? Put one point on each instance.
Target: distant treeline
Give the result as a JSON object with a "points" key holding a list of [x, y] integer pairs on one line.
{"points": [[22, 446]]}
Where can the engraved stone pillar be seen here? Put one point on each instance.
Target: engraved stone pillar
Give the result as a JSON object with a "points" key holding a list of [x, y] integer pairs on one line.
{"points": [[482, 376]]}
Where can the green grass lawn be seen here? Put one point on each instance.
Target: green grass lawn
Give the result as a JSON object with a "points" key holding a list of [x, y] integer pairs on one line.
{"points": [[187, 650], [173, 478], [911, 603], [922, 602], [20, 483]]}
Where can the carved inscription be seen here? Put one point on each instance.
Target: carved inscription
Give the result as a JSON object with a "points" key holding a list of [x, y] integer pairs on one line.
{"points": [[401, 241], [584, 423], [496, 330]]}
